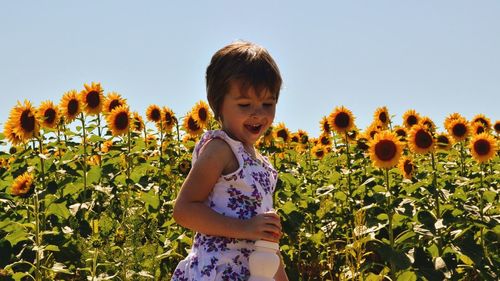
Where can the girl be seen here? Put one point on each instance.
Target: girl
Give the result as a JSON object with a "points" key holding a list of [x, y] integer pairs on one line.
{"points": [[227, 197]]}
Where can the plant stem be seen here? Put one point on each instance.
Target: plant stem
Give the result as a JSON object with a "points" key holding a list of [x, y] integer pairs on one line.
{"points": [[391, 230], [84, 135], [481, 209], [436, 202]]}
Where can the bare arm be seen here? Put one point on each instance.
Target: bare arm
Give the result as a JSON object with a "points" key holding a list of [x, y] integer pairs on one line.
{"points": [[281, 274], [191, 212]]}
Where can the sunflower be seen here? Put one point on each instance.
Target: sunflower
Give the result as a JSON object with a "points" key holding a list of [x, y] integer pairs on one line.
{"points": [[70, 106], [443, 141], [106, 146], [319, 151], [48, 114], [119, 120], [113, 100], [325, 126], [9, 133], [450, 118], [352, 135], [478, 128], [313, 141], [191, 126], [497, 126], [483, 147], [420, 139], [23, 121], [401, 132], [362, 143], [341, 120], [153, 113], [137, 122], [407, 167], [168, 119], [428, 123], [381, 116], [22, 185], [372, 131], [410, 118], [92, 98], [481, 118], [201, 113], [184, 166], [385, 150], [325, 140], [459, 129], [281, 133], [294, 138]]}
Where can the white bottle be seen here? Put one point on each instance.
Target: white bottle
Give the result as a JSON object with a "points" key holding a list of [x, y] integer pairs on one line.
{"points": [[264, 261]]}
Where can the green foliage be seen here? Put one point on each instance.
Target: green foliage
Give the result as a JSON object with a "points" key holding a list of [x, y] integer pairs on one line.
{"points": [[108, 214]]}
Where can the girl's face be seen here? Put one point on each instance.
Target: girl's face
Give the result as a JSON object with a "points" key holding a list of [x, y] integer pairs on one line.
{"points": [[246, 115]]}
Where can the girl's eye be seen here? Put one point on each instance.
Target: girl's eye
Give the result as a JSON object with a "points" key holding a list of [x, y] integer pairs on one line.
{"points": [[244, 105], [268, 104]]}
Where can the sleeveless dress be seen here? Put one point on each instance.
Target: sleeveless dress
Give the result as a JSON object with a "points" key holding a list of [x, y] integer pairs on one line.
{"points": [[246, 192]]}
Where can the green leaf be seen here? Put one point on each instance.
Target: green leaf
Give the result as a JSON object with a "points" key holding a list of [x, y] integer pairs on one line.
{"points": [[72, 188], [58, 209], [16, 236], [340, 196], [52, 248], [151, 199], [489, 196], [407, 276], [94, 174], [288, 207]]}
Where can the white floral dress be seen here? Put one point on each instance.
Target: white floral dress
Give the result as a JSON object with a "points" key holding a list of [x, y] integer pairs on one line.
{"points": [[246, 192]]}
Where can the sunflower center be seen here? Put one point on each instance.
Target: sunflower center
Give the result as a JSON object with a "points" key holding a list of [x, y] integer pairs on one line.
{"points": [[121, 121], [401, 133], [325, 141], [480, 129], [155, 115], [93, 99], [326, 127], [482, 147], [304, 139], [168, 118], [28, 121], [385, 150], [482, 121], [192, 125], [202, 114], [459, 130], [408, 167], [282, 134], [443, 141], [49, 115], [72, 107], [382, 117], [342, 120], [423, 139], [497, 127], [113, 104], [412, 120], [319, 153]]}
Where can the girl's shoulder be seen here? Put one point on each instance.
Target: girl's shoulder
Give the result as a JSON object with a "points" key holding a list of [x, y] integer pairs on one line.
{"points": [[218, 146], [211, 135]]}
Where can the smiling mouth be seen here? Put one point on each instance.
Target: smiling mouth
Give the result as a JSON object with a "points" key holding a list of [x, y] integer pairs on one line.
{"points": [[255, 129]]}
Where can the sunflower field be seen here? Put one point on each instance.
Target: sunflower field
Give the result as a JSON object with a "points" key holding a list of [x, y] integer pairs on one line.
{"points": [[87, 190]]}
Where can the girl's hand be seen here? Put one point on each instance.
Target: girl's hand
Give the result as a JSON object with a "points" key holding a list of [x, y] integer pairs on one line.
{"points": [[265, 226]]}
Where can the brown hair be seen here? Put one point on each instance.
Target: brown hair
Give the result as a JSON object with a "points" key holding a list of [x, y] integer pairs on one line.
{"points": [[244, 61]]}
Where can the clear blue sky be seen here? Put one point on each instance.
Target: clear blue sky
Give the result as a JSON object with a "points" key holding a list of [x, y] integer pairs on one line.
{"points": [[436, 57]]}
